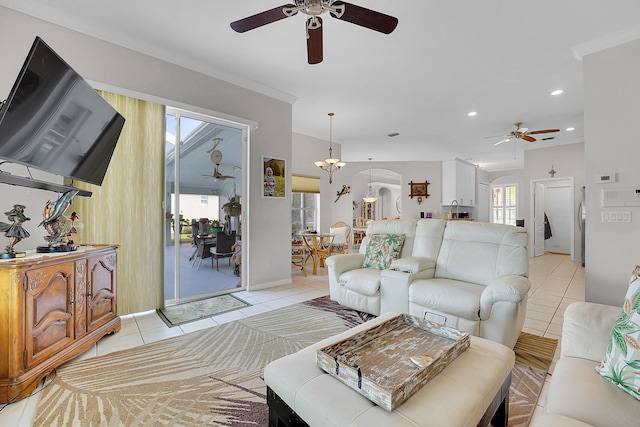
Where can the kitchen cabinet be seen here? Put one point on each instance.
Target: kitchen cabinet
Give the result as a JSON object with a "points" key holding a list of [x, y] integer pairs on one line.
{"points": [[53, 307], [458, 183]]}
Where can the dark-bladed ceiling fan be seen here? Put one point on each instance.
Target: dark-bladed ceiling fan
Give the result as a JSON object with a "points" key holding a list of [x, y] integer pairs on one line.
{"points": [[314, 8], [522, 133]]}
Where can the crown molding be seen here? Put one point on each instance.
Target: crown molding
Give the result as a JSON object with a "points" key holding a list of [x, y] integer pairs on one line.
{"points": [[606, 42]]}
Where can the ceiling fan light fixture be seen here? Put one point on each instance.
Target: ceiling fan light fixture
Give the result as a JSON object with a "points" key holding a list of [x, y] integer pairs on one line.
{"points": [[347, 12]]}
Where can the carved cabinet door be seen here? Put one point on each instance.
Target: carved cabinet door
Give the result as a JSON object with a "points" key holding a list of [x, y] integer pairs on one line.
{"points": [[101, 288], [49, 311]]}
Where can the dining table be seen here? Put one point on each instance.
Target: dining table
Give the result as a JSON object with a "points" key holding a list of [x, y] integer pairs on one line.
{"points": [[319, 246]]}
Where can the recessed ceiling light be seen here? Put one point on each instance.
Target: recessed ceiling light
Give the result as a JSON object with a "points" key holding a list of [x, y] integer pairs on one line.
{"points": [[472, 113], [569, 129], [557, 92]]}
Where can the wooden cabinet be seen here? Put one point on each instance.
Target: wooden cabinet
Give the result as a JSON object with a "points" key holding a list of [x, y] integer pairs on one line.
{"points": [[458, 183], [53, 308]]}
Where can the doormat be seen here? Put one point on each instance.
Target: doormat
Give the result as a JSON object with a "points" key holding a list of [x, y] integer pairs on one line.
{"points": [[186, 312]]}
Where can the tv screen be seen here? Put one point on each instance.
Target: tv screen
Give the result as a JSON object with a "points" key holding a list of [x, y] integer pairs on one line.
{"points": [[55, 121]]}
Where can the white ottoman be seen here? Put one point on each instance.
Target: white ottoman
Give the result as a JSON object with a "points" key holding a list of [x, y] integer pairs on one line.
{"points": [[471, 391]]}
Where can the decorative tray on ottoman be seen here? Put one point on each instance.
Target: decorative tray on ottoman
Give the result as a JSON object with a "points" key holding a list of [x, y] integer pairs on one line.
{"points": [[389, 362]]}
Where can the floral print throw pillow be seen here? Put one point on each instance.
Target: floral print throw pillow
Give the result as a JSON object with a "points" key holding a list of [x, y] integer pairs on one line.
{"points": [[382, 249], [621, 363]]}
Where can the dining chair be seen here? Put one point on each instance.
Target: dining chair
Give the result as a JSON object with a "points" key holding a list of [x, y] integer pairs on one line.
{"points": [[223, 248], [341, 241], [299, 255]]}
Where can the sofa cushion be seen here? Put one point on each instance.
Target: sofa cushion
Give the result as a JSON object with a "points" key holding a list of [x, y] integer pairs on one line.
{"points": [[481, 252], [621, 363], [406, 227], [577, 392], [428, 238], [365, 281], [382, 249], [458, 298]]}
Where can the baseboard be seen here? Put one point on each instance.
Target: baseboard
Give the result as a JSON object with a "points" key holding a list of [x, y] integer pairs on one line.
{"points": [[268, 285]]}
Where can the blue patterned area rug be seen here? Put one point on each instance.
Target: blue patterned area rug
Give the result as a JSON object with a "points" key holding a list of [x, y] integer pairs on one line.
{"points": [[179, 314]]}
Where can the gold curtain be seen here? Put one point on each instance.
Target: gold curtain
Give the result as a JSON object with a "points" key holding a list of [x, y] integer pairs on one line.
{"points": [[127, 209]]}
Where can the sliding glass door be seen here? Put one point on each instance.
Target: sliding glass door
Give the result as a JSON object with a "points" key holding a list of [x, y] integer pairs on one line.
{"points": [[203, 169]]}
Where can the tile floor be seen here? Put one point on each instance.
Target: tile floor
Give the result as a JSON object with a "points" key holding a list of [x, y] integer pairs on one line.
{"points": [[556, 282]]}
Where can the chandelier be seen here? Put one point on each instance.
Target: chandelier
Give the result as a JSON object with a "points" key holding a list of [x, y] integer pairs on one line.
{"points": [[370, 197], [330, 165]]}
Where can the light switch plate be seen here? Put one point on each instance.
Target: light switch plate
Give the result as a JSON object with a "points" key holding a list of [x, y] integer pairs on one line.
{"points": [[616, 216]]}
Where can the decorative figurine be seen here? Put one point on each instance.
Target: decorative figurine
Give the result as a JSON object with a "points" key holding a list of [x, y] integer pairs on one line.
{"points": [[57, 225], [345, 190], [14, 230], [76, 226]]}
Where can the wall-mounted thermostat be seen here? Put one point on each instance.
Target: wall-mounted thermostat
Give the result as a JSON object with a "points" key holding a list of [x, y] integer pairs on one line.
{"points": [[620, 197], [607, 177]]}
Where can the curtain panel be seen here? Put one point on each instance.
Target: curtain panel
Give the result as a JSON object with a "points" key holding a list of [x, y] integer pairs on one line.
{"points": [[127, 209]]}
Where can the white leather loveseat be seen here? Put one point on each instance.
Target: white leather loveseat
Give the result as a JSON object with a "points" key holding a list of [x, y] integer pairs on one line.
{"points": [[469, 275], [578, 396]]}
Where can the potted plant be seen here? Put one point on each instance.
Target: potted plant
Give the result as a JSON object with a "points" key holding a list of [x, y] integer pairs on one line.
{"points": [[215, 226], [232, 207]]}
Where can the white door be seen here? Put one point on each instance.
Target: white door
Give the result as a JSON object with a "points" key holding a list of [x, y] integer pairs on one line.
{"points": [[538, 219]]}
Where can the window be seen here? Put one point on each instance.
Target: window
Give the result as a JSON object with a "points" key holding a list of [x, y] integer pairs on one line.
{"points": [[504, 204], [304, 212], [204, 200]]}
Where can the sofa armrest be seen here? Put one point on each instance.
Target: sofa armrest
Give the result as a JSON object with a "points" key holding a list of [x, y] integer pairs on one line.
{"points": [[586, 329], [412, 264], [511, 289], [345, 262]]}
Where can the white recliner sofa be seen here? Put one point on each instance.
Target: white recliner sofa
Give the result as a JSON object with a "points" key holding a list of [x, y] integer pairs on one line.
{"points": [[468, 275], [578, 396]]}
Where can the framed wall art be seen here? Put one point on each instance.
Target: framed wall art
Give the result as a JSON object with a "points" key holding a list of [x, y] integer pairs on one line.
{"points": [[419, 189], [273, 177]]}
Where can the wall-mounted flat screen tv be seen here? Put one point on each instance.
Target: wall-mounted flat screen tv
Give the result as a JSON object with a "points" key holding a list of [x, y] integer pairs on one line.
{"points": [[53, 120]]}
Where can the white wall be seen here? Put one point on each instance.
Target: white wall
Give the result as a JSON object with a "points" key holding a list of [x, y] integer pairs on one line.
{"points": [[611, 109], [129, 72]]}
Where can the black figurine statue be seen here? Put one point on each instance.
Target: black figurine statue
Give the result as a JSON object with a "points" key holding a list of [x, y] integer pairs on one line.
{"points": [[15, 230]]}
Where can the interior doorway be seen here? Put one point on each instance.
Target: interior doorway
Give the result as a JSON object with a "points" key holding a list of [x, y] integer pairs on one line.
{"points": [[385, 185], [553, 223]]}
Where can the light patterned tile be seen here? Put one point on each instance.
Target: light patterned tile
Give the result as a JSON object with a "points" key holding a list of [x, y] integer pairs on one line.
{"points": [[115, 343], [158, 334]]}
